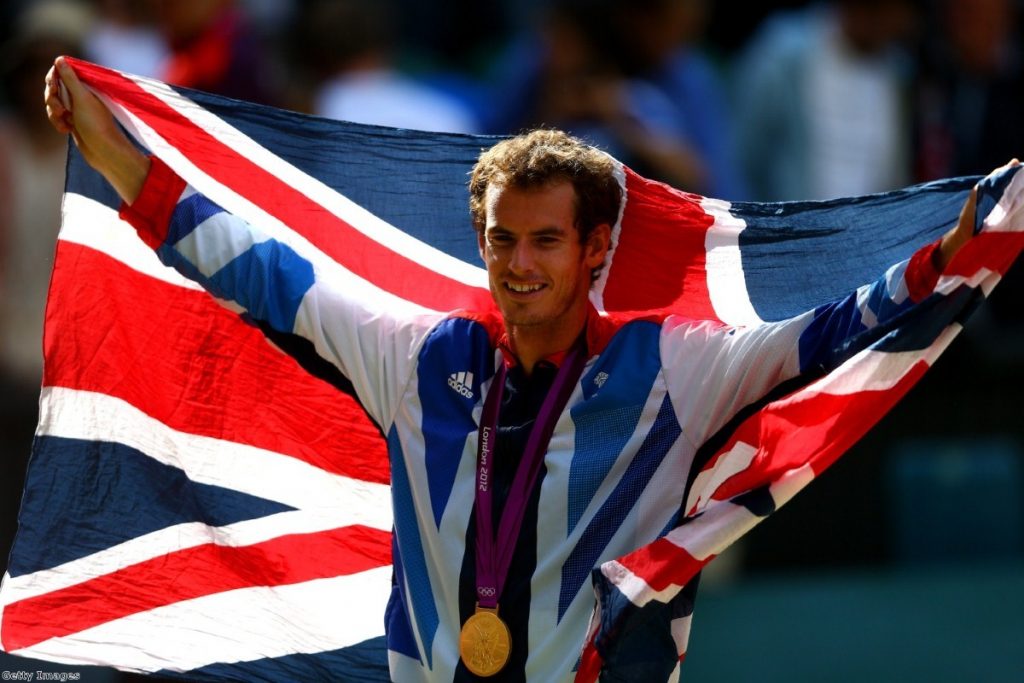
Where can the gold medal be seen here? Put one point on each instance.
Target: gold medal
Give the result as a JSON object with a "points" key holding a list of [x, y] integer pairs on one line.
{"points": [[485, 642]]}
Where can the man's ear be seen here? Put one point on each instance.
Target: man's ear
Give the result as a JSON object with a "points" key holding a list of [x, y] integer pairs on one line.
{"points": [[598, 244], [480, 244]]}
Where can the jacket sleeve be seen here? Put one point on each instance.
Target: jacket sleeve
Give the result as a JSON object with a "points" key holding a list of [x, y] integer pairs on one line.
{"points": [[369, 335], [714, 370]]}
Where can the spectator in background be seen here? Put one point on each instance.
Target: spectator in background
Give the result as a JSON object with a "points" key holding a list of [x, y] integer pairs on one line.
{"points": [[628, 77], [32, 158], [214, 48], [457, 37], [969, 109], [821, 101], [348, 46], [125, 37], [970, 100]]}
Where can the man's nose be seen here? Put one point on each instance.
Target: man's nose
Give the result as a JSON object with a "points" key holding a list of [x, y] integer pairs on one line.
{"points": [[522, 258]]}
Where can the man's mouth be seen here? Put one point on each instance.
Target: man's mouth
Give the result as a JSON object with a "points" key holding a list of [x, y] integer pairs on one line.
{"points": [[524, 288]]}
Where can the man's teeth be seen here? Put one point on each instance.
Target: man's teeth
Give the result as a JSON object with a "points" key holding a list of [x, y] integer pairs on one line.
{"points": [[523, 288]]}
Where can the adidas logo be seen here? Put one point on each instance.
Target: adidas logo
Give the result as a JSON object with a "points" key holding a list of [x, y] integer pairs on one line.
{"points": [[600, 379], [462, 382]]}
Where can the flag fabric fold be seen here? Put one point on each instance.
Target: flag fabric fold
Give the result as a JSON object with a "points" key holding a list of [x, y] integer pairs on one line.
{"points": [[208, 498]]}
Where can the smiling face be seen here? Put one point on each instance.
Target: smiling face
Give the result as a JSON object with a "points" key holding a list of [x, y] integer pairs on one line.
{"points": [[539, 273]]}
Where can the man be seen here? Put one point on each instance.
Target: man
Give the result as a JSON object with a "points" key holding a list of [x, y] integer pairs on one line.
{"points": [[511, 429]]}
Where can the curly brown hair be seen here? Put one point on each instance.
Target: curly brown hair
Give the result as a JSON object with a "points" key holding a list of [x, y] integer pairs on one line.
{"points": [[544, 156]]}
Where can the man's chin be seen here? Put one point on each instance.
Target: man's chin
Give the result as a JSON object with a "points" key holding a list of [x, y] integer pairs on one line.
{"points": [[520, 318], [525, 321]]}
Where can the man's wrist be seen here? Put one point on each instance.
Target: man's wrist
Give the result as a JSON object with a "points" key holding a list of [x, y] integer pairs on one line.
{"points": [[150, 213], [126, 170]]}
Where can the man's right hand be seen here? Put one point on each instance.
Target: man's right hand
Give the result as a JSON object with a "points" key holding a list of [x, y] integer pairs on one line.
{"points": [[963, 231], [103, 144]]}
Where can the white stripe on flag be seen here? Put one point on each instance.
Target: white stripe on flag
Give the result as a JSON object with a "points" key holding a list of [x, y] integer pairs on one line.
{"points": [[983, 279], [874, 370], [597, 289], [92, 416], [727, 284], [708, 481], [1004, 215], [790, 483], [633, 587], [233, 626], [714, 530], [165, 542], [681, 632], [97, 226]]}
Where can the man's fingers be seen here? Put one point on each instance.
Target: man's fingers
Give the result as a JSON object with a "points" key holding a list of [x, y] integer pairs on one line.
{"points": [[63, 96], [965, 226], [50, 96], [967, 210], [69, 79], [57, 99], [58, 119]]}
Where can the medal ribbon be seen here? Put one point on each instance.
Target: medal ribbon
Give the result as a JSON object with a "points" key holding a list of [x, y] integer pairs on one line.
{"points": [[494, 553]]}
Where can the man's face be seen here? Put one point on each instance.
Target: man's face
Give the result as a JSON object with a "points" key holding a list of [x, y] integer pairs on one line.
{"points": [[539, 272]]}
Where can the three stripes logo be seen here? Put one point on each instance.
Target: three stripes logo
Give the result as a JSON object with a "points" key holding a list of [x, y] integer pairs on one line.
{"points": [[462, 382]]}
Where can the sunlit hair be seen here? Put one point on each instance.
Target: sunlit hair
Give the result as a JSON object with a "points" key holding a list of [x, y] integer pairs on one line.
{"points": [[541, 157]]}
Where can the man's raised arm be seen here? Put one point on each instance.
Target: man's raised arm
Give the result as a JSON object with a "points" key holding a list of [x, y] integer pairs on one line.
{"points": [[73, 110], [288, 285], [956, 238], [735, 367]]}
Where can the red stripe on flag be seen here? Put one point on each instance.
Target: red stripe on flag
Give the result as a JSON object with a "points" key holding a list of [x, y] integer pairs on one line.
{"points": [[995, 251], [193, 573], [360, 254], [662, 564], [660, 261], [181, 358], [590, 665], [809, 428]]}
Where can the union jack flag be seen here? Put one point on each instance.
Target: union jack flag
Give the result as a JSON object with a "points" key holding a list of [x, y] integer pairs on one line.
{"points": [[203, 503]]}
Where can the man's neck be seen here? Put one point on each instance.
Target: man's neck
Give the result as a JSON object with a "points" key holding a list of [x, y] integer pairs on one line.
{"points": [[533, 343]]}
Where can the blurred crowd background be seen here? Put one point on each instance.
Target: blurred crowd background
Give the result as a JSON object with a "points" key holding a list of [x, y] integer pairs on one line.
{"points": [[767, 101]]}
